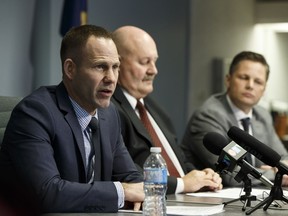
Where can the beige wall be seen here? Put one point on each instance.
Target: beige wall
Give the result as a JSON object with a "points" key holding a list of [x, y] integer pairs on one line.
{"points": [[221, 29]]}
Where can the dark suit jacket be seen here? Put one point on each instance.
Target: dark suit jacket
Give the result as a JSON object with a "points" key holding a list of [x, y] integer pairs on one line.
{"points": [[43, 148], [136, 137], [215, 115]]}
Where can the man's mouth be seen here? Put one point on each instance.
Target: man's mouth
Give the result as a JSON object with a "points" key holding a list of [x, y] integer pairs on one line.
{"points": [[105, 92]]}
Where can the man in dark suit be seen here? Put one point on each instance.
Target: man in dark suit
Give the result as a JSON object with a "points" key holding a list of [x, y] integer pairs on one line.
{"points": [[46, 150], [246, 83], [138, 56]]}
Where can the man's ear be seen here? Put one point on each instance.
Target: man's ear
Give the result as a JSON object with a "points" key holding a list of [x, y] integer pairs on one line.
{"points": [[227, 80], [69, 68]]}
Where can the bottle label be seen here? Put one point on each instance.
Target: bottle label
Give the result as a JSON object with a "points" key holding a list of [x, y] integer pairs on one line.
{"points": [[155, 175]]}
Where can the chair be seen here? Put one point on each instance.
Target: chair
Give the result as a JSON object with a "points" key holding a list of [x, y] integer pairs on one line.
{"points": [[6, 106]]}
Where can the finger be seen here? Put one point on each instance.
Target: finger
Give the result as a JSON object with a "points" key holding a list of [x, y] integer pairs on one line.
{"points": [[137, 206], [211, 184], [216, 178], [208, 171], [220, 187], [209, 177], [265, 167]]}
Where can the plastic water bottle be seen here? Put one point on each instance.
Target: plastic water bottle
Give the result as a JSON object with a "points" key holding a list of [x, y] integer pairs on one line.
{"points": [[155, 184]]}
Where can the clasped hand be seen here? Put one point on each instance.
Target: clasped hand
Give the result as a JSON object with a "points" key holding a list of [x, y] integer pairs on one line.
{"points": [[205, 179]]}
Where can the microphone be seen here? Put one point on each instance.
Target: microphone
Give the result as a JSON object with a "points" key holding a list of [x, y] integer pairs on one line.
{"points": [[231, 155], [214, 142], [266, 155], [258, 149], [254, 146]]}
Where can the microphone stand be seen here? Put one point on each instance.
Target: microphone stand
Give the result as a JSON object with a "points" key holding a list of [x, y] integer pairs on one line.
{"points": [[247, 198], [276, 192]]}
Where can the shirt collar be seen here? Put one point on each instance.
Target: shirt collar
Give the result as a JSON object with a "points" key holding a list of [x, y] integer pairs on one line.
{"points": [[83, 116], [132, 100], [239, 114]]}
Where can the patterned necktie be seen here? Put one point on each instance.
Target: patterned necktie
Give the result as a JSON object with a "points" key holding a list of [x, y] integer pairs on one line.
{"points": [[155, 139], [246, 124], [94, 165]]}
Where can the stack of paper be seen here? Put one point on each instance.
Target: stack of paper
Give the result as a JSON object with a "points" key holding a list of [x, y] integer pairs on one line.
{"points": [[194, 210]]}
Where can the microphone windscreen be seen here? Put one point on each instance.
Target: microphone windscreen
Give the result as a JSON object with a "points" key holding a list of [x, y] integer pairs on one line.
{"points": [[214, 142], [254, 146]]}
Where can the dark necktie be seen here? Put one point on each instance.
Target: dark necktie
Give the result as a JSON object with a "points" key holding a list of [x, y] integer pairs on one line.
{"points": [[155, 139], [246, 123], [95, 155]]}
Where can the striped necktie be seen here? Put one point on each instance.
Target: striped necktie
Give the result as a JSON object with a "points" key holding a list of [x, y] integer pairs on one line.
{"points": [[94, 166], [155, 139]]}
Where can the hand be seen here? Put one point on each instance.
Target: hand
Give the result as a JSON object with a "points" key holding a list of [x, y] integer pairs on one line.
{"points": [[199, 179], [275, 170], [285, 177], [136, 206], [134, 193], [285, 180], [215, 178], [267, 167]]}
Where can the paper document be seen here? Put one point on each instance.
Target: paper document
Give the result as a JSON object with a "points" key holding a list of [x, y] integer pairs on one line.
{"points": [[194, 210], [188, 210], [234, 193]]}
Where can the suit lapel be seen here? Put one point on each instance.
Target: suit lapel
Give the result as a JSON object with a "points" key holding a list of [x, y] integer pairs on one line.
{"points": [[227, 110], [124, 103], [67, 109], [170, 137], [257, 127], [106, 150], [139, 127]]}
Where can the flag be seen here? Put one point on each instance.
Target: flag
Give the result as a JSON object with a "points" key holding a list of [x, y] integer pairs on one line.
{"points": [[74, 13]]}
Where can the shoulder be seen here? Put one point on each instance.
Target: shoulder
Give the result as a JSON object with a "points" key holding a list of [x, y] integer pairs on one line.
{"points": [[47, 104], [41, 97], [157, 111], [214, 115], [215, 104], [160, 116], [262, 114], [152, 105], [216, 99]]}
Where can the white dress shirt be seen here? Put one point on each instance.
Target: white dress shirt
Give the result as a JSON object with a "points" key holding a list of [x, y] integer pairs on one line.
{"points": [[164, 141]]}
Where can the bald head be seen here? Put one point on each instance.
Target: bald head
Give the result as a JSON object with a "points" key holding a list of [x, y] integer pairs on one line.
{"points": [[129, 39], [138, 56]]}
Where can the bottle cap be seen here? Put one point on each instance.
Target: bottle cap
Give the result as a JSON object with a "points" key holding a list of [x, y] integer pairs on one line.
{"points": [[155, 149]]}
